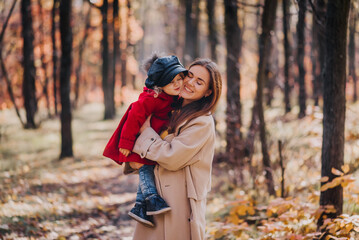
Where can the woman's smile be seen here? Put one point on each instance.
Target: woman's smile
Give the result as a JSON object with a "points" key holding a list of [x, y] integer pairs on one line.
{"points": [[195, 84]]}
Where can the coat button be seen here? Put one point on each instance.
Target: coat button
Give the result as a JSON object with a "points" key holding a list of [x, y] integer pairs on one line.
{"points": [[152, 139]]}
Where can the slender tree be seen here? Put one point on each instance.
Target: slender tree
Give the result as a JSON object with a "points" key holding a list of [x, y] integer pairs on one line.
{"points": [[106, 81], [54, 51], [318, 48], [3, 68], [212, 29], [287, 53], [334, 102], [123, 50], [43, 61], [28, 86], [268, 20], [81, 53], [352, 49], [191, 39], [300, 56], [116, 40], [233, 120], [66, 63]]}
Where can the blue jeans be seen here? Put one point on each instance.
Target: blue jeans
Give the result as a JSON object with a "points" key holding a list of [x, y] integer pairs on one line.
{"points": [[146, 186]]}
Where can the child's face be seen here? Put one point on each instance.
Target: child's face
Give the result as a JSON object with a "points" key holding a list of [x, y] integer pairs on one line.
{"points": [[174, 87]]}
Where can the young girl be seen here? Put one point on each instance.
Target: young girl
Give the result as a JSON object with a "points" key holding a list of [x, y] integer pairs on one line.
{"points": [[163, 84]]}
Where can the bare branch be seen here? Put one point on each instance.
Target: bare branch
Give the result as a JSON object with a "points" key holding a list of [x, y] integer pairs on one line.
{"points": [[6, 21]]}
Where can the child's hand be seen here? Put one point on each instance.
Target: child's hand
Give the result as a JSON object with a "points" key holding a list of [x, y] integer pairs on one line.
{"points": [[125, 152]]}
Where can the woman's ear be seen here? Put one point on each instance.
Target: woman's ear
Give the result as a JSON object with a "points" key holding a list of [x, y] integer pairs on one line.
{"points": [[209, 92]]}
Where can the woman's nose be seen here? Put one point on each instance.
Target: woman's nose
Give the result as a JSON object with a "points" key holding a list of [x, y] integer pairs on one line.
{"points": [[189, 81]]}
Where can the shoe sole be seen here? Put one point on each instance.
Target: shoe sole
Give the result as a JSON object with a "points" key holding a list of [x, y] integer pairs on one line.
{"points": [[141, 220], [158, 211]]}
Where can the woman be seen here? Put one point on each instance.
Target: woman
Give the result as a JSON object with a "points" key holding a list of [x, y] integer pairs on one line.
{"points": [[184, 157]]}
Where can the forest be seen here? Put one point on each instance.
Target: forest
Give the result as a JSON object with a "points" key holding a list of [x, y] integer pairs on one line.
{"points": [[286, 161]]}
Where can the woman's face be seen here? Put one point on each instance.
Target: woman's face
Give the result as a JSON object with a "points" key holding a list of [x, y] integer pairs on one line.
{"points": [[195, 84]]}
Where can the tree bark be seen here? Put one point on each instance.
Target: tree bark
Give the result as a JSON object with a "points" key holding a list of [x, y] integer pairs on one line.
{"points": [[116, 44], [191, 40], [124, 54], [107, 85], [3, 68], [268, 19], [233, 120], [212, 29], [45, 89], [81, 51], [352, 50], [287, 53], [54, 52], [300, 56], [28, 86], [66, 63], [318, 50], [334, 102]]}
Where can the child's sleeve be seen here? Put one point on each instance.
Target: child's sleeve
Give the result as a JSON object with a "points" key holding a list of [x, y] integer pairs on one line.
{"points": [[137, 115]]}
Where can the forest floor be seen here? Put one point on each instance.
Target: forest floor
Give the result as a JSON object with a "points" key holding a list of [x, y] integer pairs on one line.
{"points": [[88, 197]]}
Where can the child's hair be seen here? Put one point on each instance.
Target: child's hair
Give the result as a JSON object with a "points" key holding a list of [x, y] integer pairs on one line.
{"points": [[148, 63]]}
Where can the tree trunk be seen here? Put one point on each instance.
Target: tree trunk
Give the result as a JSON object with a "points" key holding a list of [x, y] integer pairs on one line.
{"points": [[271, 69], [300, 56], [233, 121], [66, 62], [116, 44], [191, 40], [45, 90], [287, 53], [352, 49], [106, 80], [81, 51], [2, 64], [212, 29], [28, 86], [319, 49], [124, 54], [334, 102], [268, 19], [54, 52]]}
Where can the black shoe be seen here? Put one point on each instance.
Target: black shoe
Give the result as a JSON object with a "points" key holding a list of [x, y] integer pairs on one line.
{"points": [[138, 213], [156, 205]]}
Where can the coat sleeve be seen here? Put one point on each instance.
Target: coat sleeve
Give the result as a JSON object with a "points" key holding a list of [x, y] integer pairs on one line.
{"points": [[137, 115], [181, 151]]}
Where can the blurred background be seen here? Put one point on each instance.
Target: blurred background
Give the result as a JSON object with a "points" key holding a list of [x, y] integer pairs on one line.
{"points": [[69, 69]]}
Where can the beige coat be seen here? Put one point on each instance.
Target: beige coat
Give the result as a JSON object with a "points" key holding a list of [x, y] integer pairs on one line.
{"points": [[183, 179]]}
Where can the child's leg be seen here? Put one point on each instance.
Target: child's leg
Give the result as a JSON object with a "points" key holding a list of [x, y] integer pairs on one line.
{"points": [[138, 212], [140, 199], [154, 202], [147, 180]]}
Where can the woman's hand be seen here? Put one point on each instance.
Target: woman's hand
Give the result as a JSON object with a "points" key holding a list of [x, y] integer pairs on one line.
{"points": [[146, 124]]}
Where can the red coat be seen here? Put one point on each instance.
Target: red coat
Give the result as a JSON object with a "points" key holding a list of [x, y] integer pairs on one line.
{"points": [[130, 124]]}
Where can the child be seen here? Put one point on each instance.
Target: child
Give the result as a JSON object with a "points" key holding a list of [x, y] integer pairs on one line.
{"points": [[163, 84]]}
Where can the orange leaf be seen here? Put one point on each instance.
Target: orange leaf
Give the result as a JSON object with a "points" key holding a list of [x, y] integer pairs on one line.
{"points": [[324, 179], [345, 168], [337, 172]]}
